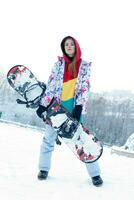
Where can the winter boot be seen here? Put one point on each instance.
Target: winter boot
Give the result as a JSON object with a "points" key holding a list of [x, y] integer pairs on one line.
{"points": [[97, 181], [42, 175]]}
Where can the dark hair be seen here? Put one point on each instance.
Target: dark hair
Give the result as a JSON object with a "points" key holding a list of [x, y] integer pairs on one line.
{"points": [[63, 48]]}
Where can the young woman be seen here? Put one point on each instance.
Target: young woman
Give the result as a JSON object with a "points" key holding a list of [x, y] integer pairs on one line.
{"points": [[69, 83]]}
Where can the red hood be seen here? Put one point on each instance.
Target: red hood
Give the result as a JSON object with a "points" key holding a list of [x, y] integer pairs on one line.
{"points": [[78, 50]]}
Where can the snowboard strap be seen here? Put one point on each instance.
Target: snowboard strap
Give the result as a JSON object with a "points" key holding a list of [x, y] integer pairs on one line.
{"points": [[57, 140], [35, 102], [30, 104]]}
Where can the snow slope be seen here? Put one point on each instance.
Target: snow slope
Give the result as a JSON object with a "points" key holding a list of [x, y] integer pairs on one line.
{"points": [[68, 179]]}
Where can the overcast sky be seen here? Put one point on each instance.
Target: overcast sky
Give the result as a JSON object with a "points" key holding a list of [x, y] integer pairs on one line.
{"points": [[31, 32]]}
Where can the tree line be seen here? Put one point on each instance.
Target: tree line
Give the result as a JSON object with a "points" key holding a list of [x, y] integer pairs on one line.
{"points": [[111, 116]]}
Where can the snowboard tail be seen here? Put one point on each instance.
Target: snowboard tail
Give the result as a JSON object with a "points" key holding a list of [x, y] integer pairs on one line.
{"points": [[84, 144]]}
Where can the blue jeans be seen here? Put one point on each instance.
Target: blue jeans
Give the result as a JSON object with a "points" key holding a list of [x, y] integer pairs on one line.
{"points": [[46, 152]]}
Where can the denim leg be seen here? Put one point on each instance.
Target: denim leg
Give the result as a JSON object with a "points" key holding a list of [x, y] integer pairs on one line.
{"points": [[46, 148], [93, 169]]}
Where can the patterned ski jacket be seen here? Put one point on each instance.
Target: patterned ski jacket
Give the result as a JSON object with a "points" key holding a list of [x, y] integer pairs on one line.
{"points": [[55, 81]]}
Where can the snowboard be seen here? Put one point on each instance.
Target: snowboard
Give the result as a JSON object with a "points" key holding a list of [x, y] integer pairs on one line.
{"points": [[83, 143]]}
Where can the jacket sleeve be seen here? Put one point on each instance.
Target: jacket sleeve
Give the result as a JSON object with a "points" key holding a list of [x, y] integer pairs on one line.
{"points": [[51, 86], [83, 86]]}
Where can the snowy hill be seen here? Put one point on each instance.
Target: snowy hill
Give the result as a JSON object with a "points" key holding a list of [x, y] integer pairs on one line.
{"points": [[68, 179]]}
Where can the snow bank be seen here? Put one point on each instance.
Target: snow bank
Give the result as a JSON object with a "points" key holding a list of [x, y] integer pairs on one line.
{"points": [[68, 179]]}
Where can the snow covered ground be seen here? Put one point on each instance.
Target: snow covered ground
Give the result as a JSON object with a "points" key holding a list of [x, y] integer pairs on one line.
{"points": [[68, 178]]}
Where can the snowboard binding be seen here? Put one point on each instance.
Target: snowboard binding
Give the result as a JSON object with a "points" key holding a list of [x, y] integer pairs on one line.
{"points": [[68, 129], [36, 101], [24, 82]]}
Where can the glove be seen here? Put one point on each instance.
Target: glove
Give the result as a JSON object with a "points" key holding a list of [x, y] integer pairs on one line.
{"points": [[77, 112], [41, 109]]}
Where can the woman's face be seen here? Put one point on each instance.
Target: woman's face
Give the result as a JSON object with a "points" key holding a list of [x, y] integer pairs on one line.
{"points": [[69, 47]]}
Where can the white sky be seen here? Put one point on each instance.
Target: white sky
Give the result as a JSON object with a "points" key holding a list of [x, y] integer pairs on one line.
{"points": [[31, 32]]}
